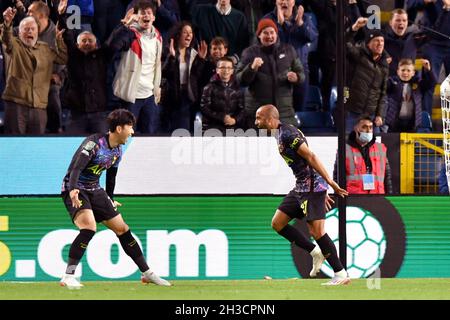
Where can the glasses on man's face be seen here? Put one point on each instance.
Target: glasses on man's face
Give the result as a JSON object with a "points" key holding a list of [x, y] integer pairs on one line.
{"points": [[225, 68]]}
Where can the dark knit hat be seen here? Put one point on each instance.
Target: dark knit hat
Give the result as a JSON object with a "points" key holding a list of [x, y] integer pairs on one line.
{"points": [[264, 23], [373, 33]]}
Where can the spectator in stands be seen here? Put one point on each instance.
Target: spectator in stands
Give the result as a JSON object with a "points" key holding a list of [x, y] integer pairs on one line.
{"points": [[47, 31], [270, 69], [400, 41], [167, 15], [138, 78], [298, 30], [85, 91], [368, 75], [29, 74], [218, 48], [443, 182], [366, 166], [405, 93], [222, 103], [436, 16], [221, 20], [325, 11], [182, 71]]}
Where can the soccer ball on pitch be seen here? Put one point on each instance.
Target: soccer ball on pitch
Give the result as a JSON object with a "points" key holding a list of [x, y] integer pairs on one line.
{"points": [[366, 242]]}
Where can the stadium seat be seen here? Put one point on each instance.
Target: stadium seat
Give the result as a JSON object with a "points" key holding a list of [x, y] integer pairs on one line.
{"points": [[316, 122], [314, 99], [427, 125], [298, 120], [198, 122], [333, 99]]}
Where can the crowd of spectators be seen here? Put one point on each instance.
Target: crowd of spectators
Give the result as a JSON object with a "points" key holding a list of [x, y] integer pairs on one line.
{"points": [[65, 63]]}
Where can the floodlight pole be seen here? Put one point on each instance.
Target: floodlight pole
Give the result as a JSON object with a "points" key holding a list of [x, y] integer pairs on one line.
{"points": [[340, 77]]}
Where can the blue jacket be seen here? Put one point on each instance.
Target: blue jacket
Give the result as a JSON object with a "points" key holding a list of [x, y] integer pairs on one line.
{"points": [[394, 93], [296, 36], [436, 18], [443, 185]]}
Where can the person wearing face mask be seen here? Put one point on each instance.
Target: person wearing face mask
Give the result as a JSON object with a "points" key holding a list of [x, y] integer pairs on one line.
{"points": [[366, 165]]}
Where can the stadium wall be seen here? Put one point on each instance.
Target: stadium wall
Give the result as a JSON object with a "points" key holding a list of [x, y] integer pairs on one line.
{"points": [[224, 237], [166, 165]]}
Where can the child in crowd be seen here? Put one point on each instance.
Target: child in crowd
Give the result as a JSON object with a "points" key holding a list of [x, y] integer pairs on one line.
{"points": [[222, 103], [405, 92]]}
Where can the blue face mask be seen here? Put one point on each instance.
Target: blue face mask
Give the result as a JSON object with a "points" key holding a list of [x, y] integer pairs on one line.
{"points": [[365, 137]]}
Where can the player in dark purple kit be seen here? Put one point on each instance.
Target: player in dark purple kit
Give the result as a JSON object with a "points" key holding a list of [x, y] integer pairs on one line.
{"points": [[89, 204], [309, 198]]}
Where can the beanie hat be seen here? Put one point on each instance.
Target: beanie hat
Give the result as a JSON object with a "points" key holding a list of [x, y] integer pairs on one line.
{"points": [[373, 33], [264, 23]]}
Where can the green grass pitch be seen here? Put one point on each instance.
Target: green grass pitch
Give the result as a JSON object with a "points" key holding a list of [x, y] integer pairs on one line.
{"points": [[289, 289]]}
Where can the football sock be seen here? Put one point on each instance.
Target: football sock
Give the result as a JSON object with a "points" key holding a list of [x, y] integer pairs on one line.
{"points": [[131, 248], [330, 253], [293, 235], [78, 248]]}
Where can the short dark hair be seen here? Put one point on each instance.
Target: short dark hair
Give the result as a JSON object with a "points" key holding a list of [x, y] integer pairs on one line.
{"points": [[217, 41], [42, 8], [120, 117], [364, 117], [225, 58], [397, 11], [145, 4], [404, 62]]}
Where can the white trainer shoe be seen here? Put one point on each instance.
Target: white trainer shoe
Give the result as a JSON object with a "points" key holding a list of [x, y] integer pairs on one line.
{"points": [[317, 262], [70, 281], [340, 278], [151, 277]]}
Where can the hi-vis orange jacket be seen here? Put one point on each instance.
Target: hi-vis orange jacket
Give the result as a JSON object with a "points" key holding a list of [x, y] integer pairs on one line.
{"points": [[356, 167]]}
